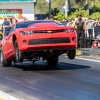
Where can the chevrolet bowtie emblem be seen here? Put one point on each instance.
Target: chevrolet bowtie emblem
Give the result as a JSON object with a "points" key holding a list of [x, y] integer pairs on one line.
{"points": [[49, 31]]}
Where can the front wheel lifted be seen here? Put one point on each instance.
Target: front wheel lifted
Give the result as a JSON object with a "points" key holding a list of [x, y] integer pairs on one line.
{"points": [[3, 60], [52, 61], [72, 54]]}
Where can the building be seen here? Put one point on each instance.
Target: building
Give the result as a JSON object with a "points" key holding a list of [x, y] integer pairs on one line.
{"points": [[17, 8]]}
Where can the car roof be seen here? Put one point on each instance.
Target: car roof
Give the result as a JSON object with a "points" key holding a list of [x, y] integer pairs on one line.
{"points": [[35, 21], [24, 24]]}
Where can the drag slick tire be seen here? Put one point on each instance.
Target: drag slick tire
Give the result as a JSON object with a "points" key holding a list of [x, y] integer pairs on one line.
{"points": [[1, 36], [3, 60], [52, 61], [72, 54], [18, 54]]}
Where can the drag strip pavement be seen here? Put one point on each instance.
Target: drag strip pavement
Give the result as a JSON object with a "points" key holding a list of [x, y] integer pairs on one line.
{"points": [[77, 79]]}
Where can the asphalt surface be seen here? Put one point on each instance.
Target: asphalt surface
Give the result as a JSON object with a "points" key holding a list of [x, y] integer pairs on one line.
{"points": [[70, 80]]}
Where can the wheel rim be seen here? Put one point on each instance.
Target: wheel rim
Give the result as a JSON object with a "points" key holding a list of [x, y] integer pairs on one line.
{"points": [[17, 53], [1, 57]]}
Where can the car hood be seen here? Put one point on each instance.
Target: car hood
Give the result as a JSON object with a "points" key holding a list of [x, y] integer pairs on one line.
{"points": [[49, 26]]}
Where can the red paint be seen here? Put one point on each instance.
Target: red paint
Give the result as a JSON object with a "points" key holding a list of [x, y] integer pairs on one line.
{"points": [[96, 44], [8, 46]]}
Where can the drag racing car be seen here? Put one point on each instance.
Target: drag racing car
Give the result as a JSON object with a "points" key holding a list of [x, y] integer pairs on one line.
{"points": [[32, 40]]}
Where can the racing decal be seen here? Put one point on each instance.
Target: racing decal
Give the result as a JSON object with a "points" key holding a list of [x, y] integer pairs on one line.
{"points": [[11, 12]]}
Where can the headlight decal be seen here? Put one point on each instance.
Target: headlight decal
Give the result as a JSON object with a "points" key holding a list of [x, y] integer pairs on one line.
{"points": [[69, 30], [27, 32]]}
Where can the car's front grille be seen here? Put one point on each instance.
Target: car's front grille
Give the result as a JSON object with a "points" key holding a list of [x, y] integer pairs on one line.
{"points": [[48, 41], [48, 31]]}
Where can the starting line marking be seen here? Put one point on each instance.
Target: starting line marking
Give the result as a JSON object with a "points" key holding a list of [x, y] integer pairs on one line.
{"points": [[5, 96]]}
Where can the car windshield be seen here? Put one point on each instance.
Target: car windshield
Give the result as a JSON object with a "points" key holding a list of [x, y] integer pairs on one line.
{"points": [[27, 23]]}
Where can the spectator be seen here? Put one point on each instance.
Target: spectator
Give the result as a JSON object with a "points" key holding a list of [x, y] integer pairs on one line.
{"points": [[51, 17], [97, 28], [70, 22], [24, 19], [14, 20], [7, 26], [80, 27], [9, 18], [90, 26], [64, 22]]}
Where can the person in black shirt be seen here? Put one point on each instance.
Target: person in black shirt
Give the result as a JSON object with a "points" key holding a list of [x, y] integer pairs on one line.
{"points": [[97, 28], [80, 27]]}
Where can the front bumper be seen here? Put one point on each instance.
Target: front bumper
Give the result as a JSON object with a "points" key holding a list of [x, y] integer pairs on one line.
{"points": [[62, 46], [61, 41]]}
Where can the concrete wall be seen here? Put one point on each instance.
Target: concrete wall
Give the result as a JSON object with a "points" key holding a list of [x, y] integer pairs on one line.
{"points": [[27, 8]]}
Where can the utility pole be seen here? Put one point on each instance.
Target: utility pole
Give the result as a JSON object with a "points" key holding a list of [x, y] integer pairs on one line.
{"points": [[49, 8], [67, 7]]}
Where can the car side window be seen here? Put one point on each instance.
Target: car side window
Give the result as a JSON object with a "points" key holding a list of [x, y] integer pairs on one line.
{"points": [[12, 29]]}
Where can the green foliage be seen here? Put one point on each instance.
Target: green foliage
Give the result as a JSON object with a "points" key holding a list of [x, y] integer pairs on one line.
{"points": [[60, 16], [83, 12], [58, 4], [97, 7], [95, 15], [77, 1], [41, 7], [54, 11]]}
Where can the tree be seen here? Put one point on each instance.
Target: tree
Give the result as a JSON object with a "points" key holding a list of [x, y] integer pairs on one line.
{"points": [[54, 11], [58, 4], [96, 15], [41, 7], [83, 12], [60, 16], [87, 3]]}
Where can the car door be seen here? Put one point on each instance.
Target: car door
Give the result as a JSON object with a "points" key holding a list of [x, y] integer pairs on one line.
{"points": [[9, 42]]}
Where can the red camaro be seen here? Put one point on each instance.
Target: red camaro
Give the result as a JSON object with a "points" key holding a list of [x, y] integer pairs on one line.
{"points": [[32, 40]]}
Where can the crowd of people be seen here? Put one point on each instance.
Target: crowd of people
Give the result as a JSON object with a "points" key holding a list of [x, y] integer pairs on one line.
{"points": [[8, 22], [92, 26], [85, 27]]}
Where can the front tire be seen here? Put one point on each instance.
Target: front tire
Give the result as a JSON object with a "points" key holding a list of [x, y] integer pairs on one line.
{"points": [[72, 54], [18, 54], [52, 61], [3, 60]]}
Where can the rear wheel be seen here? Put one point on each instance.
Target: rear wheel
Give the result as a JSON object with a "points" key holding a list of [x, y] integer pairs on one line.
{"points": [[53, 61], [3, 60], [72, 54], [18, 54], [1, 36]]}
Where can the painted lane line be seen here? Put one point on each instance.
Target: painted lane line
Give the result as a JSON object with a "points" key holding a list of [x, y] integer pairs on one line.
{"points": [[88, 59], [5, 96]]}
